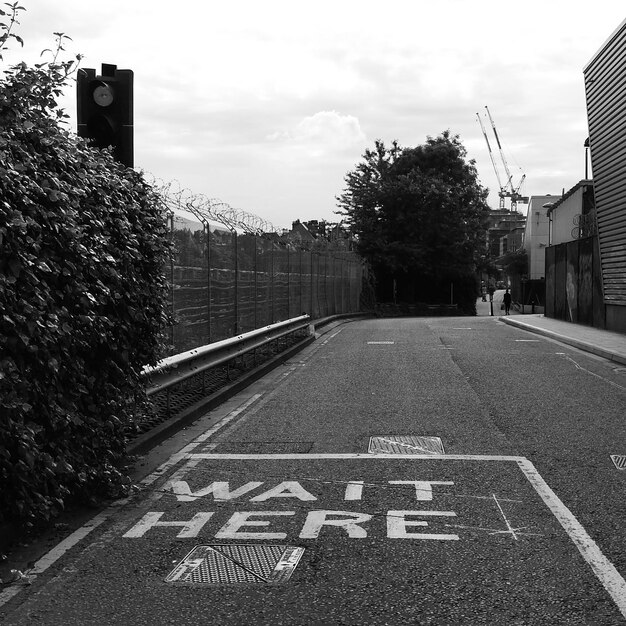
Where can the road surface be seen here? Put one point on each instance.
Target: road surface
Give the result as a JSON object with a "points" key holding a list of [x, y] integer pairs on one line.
{"points": [[414, 470]]}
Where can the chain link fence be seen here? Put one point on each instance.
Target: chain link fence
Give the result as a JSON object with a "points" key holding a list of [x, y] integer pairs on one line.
{"points": [[231, 272]]}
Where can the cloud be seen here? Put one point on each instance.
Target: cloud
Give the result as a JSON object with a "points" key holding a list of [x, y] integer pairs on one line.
{"points": [[268, 104], [321, 134]]}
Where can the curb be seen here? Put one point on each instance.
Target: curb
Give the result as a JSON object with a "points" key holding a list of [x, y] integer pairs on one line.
{"points": [[576, 343], [161, 432]]}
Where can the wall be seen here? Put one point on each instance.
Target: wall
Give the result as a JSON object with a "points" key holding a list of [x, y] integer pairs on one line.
{"points": [[537, 234], [563, 218], [605, 86], [573, 283]]}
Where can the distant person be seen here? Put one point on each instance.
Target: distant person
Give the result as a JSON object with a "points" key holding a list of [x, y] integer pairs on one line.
{"points": [[507, 302]]}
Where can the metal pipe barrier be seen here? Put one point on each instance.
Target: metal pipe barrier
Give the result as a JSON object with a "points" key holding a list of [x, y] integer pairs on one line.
{"points": [[175, 369]]}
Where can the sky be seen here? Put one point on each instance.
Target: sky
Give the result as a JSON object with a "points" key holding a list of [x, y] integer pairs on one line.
{"points": [[267, 104]]}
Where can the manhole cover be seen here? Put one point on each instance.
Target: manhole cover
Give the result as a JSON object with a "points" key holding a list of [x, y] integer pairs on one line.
{"points": [[405, 444], [619, 460], [237, 563]]}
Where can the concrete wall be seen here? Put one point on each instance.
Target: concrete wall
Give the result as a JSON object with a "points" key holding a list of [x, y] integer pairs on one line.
{"points": [[563, 217], [537, 234]]}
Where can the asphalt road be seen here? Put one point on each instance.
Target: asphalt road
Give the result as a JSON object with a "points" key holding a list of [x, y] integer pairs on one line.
{"points": [[518, 521]]}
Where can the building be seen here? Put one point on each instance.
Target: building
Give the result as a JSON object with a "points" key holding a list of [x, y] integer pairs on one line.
{"points": [[504, 232], [605, 85], [537, 234], [299, 234], [573, 277], [572, 216]]}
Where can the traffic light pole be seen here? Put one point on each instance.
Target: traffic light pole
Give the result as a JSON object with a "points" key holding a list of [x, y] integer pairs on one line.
{"points": [[104, 106]]}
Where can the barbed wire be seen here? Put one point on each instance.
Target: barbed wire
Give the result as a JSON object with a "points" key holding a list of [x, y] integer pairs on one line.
{"points": [[204, 208]]}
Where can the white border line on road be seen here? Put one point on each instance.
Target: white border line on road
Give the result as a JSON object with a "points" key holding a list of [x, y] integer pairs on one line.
{"points": [[80, 533], [56, 553], [359, 455], [183, 454], [603, 569]]}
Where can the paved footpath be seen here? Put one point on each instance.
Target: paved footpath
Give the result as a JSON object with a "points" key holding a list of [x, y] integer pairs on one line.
{"points": [[285, 507], [603, 343], [606, 344]]}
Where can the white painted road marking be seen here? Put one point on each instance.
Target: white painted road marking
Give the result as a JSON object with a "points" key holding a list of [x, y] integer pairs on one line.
{"points": [[222, 492], [582, 369], [352, 523], [78, 535], [603, 569]]}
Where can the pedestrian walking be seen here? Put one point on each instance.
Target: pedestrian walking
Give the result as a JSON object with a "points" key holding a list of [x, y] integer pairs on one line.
{"points": [[507, 302]]}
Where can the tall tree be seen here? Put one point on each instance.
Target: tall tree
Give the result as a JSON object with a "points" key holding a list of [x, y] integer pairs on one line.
{"points": [[419, 216]]}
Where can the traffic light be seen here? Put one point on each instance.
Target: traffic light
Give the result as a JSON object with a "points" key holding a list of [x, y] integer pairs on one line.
{"points": [[105, 110]]}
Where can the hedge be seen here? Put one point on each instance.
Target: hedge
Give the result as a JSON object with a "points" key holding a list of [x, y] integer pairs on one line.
{"points": [[83, 303]]}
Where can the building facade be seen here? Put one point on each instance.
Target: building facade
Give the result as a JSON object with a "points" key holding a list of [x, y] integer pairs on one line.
{"points": [[572, 216], [537, 234], [605, 87]]}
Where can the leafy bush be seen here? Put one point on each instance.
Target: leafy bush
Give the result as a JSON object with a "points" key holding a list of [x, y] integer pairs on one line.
{"points": [[419, 217], [83, 244]]}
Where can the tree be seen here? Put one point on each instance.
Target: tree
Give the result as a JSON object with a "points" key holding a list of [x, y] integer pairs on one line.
{"points": [[419, 217], [515, 263], [83, 297]]}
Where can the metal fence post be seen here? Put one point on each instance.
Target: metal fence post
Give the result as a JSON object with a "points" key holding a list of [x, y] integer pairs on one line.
{"points": [[300, 272], [341, 284], [236, 250], [326, 307], [288, 284], [171, 220], [311, 282], [272, 296], [256, 274], [208, 276], [334, 284]]}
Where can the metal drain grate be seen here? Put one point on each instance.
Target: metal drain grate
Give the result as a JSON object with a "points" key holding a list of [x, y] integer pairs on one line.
{"points": [[236, 564], [619, 460], [405, 444]]}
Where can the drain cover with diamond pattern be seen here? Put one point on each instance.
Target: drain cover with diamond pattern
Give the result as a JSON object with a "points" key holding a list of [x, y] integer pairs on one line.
{"points": [[405, 444], [236, 563]]}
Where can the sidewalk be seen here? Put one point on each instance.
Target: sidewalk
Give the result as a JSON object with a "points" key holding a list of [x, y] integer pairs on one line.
{"points": [[485, 308], [604, 343]]}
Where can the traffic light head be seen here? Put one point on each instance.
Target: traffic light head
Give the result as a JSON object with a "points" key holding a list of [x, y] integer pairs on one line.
{"points": [[105, 110]]}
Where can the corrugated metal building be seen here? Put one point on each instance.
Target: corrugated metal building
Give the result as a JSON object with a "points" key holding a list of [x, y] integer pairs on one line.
{"points": [[605, 88]]}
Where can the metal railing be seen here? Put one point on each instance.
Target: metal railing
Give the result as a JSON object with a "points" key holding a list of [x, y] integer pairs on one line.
{"points": [[175, 369], [183, 386]]}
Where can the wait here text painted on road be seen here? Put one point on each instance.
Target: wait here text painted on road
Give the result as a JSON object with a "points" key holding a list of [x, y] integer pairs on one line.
{"points": [[264, 524]]}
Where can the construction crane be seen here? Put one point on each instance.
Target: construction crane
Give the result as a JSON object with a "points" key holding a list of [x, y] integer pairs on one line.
{"points": [[502, 192], [508, 190]]}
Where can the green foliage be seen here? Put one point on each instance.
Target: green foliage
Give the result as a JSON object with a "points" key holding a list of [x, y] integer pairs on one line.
{"points": [[419, 216], [83, 243], [515, 263]]}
